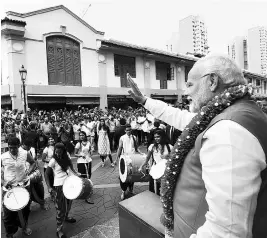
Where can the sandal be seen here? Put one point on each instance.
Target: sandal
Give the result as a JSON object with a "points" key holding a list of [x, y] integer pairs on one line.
{"points": [[62, 235], [89, 202], [70, 220], [27, 231]]}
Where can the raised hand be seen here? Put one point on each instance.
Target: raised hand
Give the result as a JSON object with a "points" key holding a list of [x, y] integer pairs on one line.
{"points": [[135, 92]]}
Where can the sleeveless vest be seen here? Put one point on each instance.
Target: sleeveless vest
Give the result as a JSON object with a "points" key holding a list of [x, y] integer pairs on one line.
{"points": [[190, 205]]}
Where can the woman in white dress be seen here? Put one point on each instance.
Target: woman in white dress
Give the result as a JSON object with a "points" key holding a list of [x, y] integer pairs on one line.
{"points": [[103, 142]]}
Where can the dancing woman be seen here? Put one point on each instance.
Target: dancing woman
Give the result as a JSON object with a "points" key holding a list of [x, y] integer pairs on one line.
{"points": [[103, 142], [60, 165], [83, 151], [157, 151]]}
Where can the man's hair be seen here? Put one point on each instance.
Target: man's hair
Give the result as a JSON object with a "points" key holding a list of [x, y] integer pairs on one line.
{"points": [[122, 121], [13, 141], [223, 66], [156, 123], [128, 126], [27, 142]]}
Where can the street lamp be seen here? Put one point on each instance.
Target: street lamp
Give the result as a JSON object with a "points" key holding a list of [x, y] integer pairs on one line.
{"points": [[23, 75]]}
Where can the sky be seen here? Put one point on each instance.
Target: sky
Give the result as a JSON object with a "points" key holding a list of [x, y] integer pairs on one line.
{"points": [[152, 22]]}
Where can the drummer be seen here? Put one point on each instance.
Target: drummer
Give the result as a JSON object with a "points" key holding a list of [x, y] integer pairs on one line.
{"points": [[127, 145], [60, 165], [83, 150], [37, 188], [47, 156], [14, 169], [157, 151]]}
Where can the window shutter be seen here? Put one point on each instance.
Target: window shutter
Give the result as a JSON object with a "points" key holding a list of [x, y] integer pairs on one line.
{"points": [[172, 73], [116, 70], [168, 73]]}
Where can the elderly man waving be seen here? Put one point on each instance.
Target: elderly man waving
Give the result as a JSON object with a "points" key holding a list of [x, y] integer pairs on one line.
{"points": [[215, 181]]}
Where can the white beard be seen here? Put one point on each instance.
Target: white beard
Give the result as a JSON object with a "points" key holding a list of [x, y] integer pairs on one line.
{"points": [[192, 107]]}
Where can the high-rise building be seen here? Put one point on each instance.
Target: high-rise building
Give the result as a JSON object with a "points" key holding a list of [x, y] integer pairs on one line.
{"points": [[237, 50], [250, 52], [193, 38], [257, 50]]}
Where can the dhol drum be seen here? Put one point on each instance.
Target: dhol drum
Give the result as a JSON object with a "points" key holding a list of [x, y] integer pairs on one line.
{"points": [[75, 187], [16, 198], [36, 176], [157, 170], [129, 166]]}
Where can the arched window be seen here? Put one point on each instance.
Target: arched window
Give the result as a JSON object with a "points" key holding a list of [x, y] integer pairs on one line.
{"points": [[63, 61]]}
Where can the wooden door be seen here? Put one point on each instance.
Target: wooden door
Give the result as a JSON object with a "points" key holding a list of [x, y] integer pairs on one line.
{"points": [[124, 69], [63, 61]]}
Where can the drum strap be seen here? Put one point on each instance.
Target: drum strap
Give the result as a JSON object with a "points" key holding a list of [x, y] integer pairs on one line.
{"points": [[135, 145], [86, 169]]}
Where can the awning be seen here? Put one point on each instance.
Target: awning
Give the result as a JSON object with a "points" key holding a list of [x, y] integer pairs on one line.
{"points": [[63, 100], [165, 97], [63, 96], [119, 99], [46, 100], [82, 101]]}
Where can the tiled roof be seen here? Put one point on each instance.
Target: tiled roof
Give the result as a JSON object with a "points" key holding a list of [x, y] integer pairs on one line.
{"points": [[248, 73], [50, 9], [166, 53], [148, 49], [6, 19]]}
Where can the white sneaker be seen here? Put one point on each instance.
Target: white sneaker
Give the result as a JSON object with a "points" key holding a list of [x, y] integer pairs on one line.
{"points": [[112, 165], [103, 164], [122, 195]]}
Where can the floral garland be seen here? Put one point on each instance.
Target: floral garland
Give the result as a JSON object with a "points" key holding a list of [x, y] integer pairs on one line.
{"points": [[186, 142]]}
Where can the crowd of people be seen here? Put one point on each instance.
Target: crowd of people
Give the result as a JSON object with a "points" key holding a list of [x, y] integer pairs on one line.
{"points": [[65, 125], [56, 136]]}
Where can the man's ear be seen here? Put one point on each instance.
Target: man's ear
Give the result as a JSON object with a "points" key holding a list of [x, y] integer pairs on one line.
{"points": [[214, 81]]}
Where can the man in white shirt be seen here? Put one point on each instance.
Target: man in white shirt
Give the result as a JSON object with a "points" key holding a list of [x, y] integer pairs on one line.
{"points": [[228, 161], [14, 174], [91, 130], [36, 186], [84, 127], [127, 146]]}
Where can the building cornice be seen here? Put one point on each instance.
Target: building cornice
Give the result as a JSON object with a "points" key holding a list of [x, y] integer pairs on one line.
{"points": [[50, 9]]}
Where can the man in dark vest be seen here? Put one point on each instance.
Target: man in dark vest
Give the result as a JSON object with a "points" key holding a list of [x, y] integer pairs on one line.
{"points": [[215, 184]]}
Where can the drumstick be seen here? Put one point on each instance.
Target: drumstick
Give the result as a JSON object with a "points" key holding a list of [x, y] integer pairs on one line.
{"points": [[14, 196]]}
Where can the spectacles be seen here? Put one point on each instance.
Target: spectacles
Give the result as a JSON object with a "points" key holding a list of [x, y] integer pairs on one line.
{"points": [[187, 84]]}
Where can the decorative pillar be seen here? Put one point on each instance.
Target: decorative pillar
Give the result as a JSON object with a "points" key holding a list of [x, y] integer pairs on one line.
{"points": [[13, 32], [147, 90], [102, 67], [180, 80]]}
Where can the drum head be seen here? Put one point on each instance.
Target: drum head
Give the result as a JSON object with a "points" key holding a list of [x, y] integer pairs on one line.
{"points": [[16, 199], [123, 169], [72, 187], [157, 171]]}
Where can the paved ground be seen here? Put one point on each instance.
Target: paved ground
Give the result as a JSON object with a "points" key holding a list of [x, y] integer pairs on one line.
{"points": [[99, 220]]}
